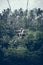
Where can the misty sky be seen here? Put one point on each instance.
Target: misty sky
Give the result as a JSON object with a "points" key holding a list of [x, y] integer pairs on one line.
{"points": [[16, 4]]}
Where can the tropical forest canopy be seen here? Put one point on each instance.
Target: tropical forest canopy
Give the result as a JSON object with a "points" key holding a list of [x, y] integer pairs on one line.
{"points": [[28, 47]]}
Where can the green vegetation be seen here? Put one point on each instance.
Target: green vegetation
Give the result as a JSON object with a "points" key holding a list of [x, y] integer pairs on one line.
{"points": [[29, 46]]}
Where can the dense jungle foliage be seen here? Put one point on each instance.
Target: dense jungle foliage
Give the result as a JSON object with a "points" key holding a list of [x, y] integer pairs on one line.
{"points": [[27, 50]]}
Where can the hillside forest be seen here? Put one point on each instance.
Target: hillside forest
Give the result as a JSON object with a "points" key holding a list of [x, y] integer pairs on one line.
{"points": [[21, 37]]}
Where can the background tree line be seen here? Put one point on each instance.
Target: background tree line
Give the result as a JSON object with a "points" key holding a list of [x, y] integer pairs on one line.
{"points": [[29, 48]]}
